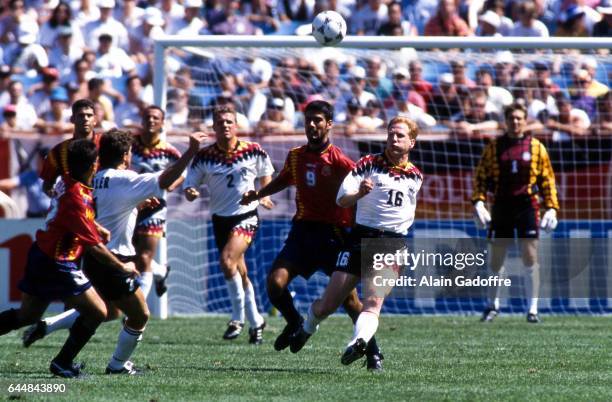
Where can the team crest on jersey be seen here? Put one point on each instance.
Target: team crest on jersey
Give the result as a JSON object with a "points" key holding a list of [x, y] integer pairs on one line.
{"points": [[326, 170], [526, 156]]}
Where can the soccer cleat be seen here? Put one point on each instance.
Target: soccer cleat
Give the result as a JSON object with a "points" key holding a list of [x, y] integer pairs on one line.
{"points": [[234, 328], [127, 369], [256, 334], [489, 314], [298, 339], [354, 352], [33, 333], [533, 318], [282, 341], [160, 284], [72, 371], [374, 362]]}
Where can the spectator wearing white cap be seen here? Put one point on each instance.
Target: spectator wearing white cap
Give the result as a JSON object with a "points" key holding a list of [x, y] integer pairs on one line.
{"points": [[595, 88], [401, 82], [142, 37], [170, 9], [259, 100], [107, 23], [489, 23], [603, 28], [26, 56], [444, 101], [190, 22], [111, 61], [357, 81], [60, 21], [65, 53], [130, 15], [499, 7], [273, 120]]}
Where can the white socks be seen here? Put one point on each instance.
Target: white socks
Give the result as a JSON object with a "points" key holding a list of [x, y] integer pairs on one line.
{"points": [[494, 290], [61, 321], [158, 269], [236, 294], [365, 327], [312, 322], [532, 287], [127, 342], [252, 314], [146, 282]]}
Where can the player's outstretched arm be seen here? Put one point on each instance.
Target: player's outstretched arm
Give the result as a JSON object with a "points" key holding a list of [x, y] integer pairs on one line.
{"points": [[279, 183], [174, 171], [105, 257], [350, 199], [265, 202]]}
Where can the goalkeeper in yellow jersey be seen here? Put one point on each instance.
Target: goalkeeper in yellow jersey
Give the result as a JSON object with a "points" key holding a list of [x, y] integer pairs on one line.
{"points": [[516, 170]]}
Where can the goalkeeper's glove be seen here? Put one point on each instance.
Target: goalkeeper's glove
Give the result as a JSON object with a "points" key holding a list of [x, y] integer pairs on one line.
{"points": [[549, 220], [481, 215]]}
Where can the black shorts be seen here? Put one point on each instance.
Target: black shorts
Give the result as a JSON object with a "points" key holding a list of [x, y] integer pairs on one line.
{"points": [[520, 214], [111, 284], [312, 246], [51, 280], [244, 225], [349, 258]]}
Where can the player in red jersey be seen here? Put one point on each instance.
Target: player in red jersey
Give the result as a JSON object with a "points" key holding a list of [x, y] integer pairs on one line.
{"points": [[53, 272], [56, 163], [318, 230]]}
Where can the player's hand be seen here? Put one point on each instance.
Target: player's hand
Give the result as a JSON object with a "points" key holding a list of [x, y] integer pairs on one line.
{"points": [[104, 233], [196, 139], [149, 203], [366, 187], [549, 220], [191, 193], [249, 197], [482, 217], [130, 269], [266, 202]]}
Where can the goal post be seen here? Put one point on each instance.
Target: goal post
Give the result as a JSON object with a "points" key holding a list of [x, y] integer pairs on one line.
{"points": [[583, 166]]}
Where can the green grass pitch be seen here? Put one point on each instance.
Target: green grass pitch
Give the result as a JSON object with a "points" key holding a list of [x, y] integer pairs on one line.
{"points": [[427, 358]]}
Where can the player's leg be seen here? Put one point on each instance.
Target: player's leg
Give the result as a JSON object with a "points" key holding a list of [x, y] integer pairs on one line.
{"points": [[146, 248], [529, 251], [134, 306], [364, 329], [497, 255], [31, 309], [92, 313], [353, 307], [255, 319]]}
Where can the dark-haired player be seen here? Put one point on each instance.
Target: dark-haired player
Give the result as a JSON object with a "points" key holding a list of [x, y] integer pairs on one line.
{"points": [[319, 225], [384, 188], [229, 168], [53, 272], [516, 169]]}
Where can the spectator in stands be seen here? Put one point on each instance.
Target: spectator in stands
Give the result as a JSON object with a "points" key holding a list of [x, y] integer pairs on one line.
{"points": [[371, 119], [171, 9], [403, 85], [444, 102], [130, 15], [579, 97], [10, 21], [229, 100], [259, 101], [498, 7], [9, 120], [128, 113], [604, 27], [407, 109], [60, 21], [447, 22], [183, 80], [65, 53], [26, 114], [143, 35], [25, 55], [602, 125], [571, 23], [569, 121], [474, 119], [102, 122], [178, 109], [106, 24], [38, 201], [418, 83], [462, 82], [86, 12], [112, 61], [39, 93], [376, 81], [273, 120], [369, 18], [56, 120], [263, 15], [504, 69], [81, 74], [489, 23], [498, 97], [190, 23], [297, 78], [332, 88], [528, 24], [296, 10], [595, 88], [5, 80], [352, 123], [396, 25], [537, 110], [357, 81], [96, 87]]}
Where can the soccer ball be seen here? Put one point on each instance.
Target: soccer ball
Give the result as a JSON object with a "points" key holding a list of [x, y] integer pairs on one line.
{"points": [[329, 28]]}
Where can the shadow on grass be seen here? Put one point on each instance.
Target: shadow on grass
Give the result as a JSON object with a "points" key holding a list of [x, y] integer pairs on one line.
{"points": [[255, 369]]}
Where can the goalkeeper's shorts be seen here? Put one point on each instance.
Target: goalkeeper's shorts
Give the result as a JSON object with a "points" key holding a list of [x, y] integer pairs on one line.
{"points": [[515, 217], [243, 225]]}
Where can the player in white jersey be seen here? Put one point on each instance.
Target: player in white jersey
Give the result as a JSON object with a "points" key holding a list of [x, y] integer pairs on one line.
{"points": [[229, 168], [117, 193], [150, 153], [384, 187]]}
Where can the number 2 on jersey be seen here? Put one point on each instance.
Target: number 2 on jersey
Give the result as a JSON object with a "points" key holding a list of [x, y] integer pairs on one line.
{"points": [[230, 180]]}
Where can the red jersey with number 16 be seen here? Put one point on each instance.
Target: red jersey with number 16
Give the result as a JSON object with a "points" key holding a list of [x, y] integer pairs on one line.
{"points": [[317, 176]]}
